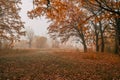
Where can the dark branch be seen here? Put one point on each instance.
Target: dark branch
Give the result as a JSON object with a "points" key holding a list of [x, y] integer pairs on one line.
{"points": [[48, 3]]}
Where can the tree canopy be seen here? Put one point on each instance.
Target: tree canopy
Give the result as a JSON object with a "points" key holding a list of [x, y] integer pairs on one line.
{"points": [[11, 26], [90, 20]]}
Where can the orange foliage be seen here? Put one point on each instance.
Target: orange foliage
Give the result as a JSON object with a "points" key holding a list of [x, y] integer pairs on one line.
{"points": [[73, 17]]}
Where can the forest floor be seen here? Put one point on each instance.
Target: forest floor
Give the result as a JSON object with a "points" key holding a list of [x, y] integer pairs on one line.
{"points": [[58, 65]]}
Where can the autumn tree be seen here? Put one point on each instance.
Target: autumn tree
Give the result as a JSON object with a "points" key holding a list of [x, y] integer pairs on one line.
{"points": [[67, 19], [30, 36], [98, 26], [41, 42], [74, 18], [11, 26], [111, 9]]}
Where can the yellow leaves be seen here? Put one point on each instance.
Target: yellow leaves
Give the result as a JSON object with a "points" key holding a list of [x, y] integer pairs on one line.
{"points": [[38, 10], [56, 10], [40, 2], [49, 14], [59, 9], [57, 3]]}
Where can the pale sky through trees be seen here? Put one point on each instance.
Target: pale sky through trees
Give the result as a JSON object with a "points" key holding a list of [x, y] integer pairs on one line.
{"points": [[39, 25]]}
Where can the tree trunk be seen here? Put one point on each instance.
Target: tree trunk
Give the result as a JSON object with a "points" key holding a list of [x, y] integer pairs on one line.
{"points": [[117, 36], [116, 44], [97, 48], [97, 45], [85, 48], [102, 43], [82, 37], [0, 45], [30, 42], [102, 38], [96, 37]]}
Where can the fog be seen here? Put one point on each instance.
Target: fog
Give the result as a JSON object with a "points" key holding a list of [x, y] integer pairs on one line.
{"points": [[39, 25]]}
